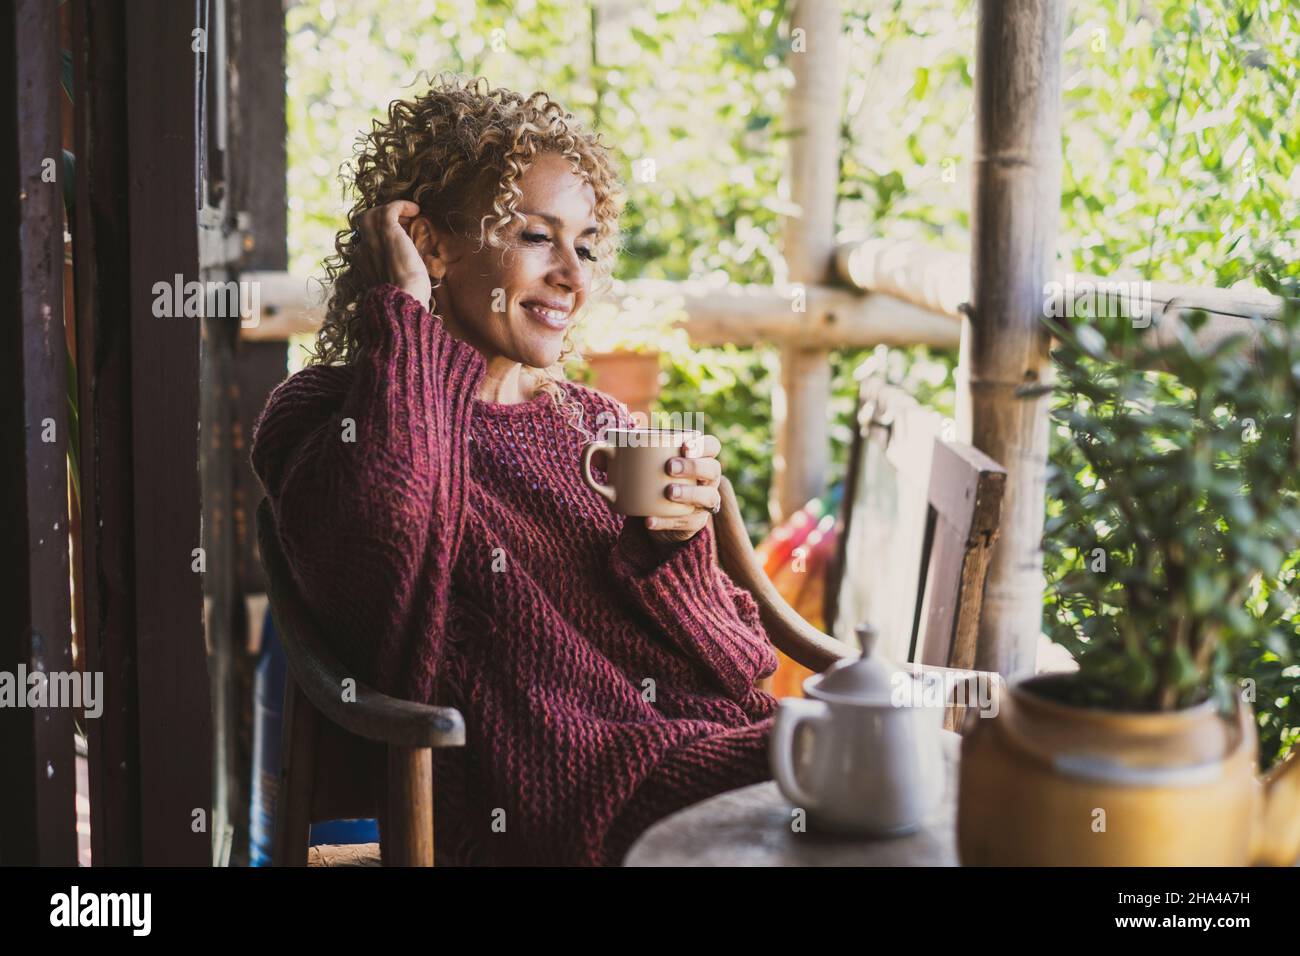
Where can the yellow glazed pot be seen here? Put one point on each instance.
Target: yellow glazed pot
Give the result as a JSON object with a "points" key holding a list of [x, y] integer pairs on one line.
{"points": [[1049, 784]]}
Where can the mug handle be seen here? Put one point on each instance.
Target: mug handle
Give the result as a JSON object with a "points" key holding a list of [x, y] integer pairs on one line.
{"points": [[589, 449], [793, 712]]}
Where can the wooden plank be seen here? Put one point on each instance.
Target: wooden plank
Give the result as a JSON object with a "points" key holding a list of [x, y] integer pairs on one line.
{"points": [[258, 186], [966, 489], [175, 726], [228, 666], [258, 131], [37, 800], [961, 490], [229, 670], [947, 557], [843, 522], [970, 602], [885, 546], [102, 262], [258, 194], [1014, 215]]}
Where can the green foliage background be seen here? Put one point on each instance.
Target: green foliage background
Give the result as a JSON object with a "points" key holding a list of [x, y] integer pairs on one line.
{"points": [[1179, 141]]}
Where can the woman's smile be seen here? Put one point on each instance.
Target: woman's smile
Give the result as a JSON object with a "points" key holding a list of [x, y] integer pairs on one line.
{"points": [[551, 313]]}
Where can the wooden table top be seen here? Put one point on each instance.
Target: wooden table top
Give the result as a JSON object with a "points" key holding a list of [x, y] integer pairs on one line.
{"points": [[752, 827]]}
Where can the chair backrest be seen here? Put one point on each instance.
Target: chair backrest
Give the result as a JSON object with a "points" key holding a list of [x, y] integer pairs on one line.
{"points": [[917, 524]]}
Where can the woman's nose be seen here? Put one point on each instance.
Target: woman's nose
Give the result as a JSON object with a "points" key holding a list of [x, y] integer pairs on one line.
{"points": [[570, 274]]}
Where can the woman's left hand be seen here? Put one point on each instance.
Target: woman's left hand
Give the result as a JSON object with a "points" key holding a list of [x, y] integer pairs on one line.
{"points": [[697, 473]]}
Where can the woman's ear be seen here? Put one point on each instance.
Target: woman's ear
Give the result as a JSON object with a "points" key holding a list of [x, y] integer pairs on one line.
{"points": [[430, 246]]}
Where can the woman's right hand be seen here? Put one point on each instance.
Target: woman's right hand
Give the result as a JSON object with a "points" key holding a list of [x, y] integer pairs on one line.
{"points": [[389, 252]]}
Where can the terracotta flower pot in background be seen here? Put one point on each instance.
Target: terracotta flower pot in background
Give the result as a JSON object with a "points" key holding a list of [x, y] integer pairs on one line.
{"points": [[630, 377]]}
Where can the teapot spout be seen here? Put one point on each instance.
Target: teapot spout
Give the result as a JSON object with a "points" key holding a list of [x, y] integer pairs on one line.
{"points": [[1278, 841]]}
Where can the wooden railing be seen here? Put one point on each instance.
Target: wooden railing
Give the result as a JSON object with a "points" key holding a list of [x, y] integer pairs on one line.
{"points": [[892, 293]]}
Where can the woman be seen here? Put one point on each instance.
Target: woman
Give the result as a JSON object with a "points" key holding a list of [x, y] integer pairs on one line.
{"points": [[424, 475]]}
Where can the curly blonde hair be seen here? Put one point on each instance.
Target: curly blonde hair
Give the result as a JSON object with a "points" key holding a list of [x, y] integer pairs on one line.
{"points": [[458, 151]]}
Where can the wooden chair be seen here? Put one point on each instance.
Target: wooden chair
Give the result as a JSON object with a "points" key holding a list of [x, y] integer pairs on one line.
{"points": [[917, 525], [344, 760], [929, 503]]}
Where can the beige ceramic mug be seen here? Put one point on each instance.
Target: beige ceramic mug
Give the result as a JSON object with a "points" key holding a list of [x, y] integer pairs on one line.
{"points": [[638, 476]]}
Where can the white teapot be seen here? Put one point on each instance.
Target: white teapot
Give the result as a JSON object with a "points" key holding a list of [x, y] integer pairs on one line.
{"points": [[870, 761]]}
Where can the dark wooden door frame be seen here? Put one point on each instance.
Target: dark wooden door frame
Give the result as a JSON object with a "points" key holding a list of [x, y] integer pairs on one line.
{"points": [[151, 751], [37, 764]]}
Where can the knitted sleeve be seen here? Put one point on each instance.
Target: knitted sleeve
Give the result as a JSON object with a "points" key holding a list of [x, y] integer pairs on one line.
{"points": [[696, 605], [365, 468]]}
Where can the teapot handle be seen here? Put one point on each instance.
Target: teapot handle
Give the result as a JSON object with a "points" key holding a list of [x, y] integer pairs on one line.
{"points": [[793, 712]]}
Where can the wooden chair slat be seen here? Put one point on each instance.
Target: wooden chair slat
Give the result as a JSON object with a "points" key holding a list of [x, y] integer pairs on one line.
{"points": [[966, 489], [884, 512]]}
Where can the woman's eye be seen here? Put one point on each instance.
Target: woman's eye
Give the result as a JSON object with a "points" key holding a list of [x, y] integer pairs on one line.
{"points": [[536, 237]]}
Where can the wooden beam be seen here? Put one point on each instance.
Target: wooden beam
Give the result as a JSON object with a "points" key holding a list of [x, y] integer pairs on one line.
{"points": [[290, 305], [1015, 209], [175, 719], [254, 211], [939, 281], [103, 310], [933, 279], [822, 316], [37, 796], [833, 318]]}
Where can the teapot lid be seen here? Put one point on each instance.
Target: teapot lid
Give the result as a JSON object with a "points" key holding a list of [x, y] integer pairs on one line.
{"points": [[868, 679]]}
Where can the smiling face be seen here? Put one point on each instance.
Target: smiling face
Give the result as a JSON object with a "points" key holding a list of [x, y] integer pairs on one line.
{"points": [[516, 303]]}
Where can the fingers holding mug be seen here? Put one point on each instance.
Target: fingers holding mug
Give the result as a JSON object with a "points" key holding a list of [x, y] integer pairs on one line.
{"points": [[679, 528], [701, 447], [703, 470], [703, 497]]}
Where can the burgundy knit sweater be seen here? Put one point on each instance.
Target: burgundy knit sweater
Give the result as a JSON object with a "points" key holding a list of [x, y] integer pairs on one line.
{"points": [[453, 555]]}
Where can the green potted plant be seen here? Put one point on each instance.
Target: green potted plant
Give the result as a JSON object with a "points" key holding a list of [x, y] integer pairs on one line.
{"points": [[1175, 514]]}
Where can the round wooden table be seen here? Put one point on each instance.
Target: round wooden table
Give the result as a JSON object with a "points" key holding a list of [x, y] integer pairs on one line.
{"points": [[752, 827]]}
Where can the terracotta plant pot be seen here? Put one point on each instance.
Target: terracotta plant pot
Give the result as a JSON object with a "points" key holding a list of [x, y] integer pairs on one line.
{"points": [[1044, 783], [631, 377]]}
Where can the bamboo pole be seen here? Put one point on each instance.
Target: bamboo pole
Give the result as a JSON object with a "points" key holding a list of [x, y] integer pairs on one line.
{"points": [[939, 281], [1014, 221], [800, 423], [893, 293], [743, 315]]}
